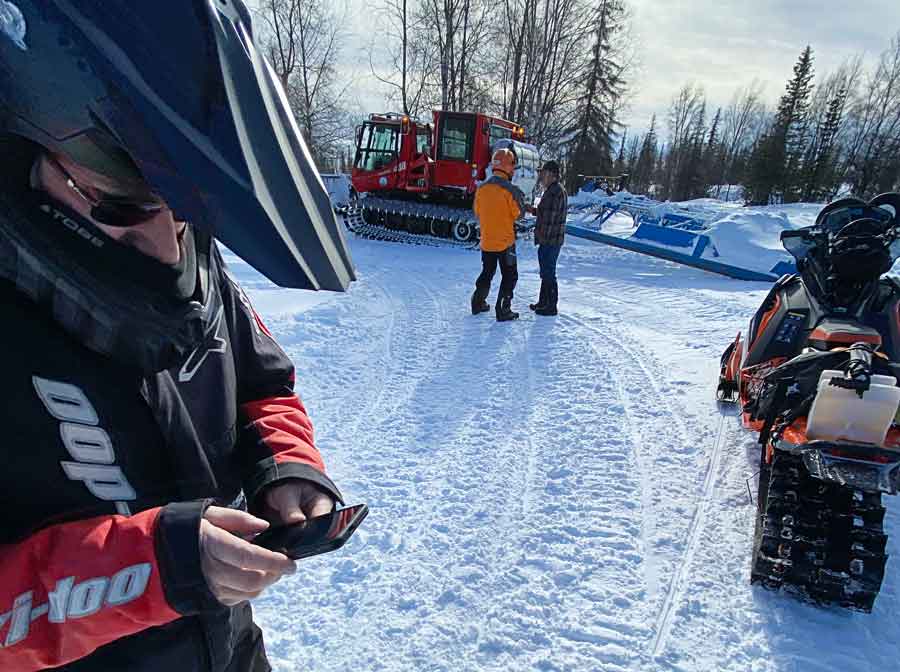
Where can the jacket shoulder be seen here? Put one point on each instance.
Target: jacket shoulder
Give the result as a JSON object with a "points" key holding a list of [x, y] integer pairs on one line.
{"points": [[557, 190], [508, 188]]}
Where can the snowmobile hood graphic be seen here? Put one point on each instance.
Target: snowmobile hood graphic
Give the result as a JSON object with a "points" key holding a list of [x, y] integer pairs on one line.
{"points": [[178, 94]]}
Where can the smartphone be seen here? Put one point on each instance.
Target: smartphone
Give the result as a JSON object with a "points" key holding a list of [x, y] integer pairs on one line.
{"points": [[315, 535]]}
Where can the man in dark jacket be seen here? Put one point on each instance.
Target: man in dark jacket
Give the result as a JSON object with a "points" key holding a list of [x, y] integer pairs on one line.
{"points": [[151, 428], [549, 236]]}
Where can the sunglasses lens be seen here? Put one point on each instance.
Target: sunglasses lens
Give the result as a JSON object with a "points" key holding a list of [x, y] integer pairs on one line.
{"points": [[122, 215]]}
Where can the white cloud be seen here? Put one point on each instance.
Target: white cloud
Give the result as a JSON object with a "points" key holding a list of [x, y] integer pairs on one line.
{"points": [[725, 44]]}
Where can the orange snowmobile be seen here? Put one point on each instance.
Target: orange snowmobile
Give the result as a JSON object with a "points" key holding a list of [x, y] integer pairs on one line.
{"points": [[816, 375]]}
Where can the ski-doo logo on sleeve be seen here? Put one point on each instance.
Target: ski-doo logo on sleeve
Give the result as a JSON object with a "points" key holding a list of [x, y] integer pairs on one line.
{"points": [[70, 600], [12, 24], [88, 444]]}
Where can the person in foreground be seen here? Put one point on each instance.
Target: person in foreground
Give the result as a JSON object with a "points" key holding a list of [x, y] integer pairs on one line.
{"points": [[498, 204], [151, 427], [549, 236]]}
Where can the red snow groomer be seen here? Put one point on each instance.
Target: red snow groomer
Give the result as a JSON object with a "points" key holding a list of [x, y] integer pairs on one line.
{"points": [[816, 375], [420, 178]]}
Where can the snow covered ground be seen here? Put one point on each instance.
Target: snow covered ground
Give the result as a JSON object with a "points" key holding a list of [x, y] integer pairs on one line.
{"points": [[557, 494]]}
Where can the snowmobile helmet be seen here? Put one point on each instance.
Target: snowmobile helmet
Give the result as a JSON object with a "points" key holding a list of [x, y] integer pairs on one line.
{"points": [[504, 161], [175, 93], [859, 251]]}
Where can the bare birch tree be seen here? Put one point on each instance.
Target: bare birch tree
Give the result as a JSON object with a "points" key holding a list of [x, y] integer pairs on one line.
{"points": [[873, 141], [303, 39], [403, 47]]}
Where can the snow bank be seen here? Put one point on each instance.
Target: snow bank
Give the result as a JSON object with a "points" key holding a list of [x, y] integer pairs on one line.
{"points": [[750, 237]]}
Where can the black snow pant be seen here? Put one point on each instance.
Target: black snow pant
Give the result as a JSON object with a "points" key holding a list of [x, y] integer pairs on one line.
{"points": [[509, 272]]}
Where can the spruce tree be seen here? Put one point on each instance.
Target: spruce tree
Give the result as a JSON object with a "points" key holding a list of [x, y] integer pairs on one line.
{"points": [[793, 118], [596, 123], [777, 162], [619, 165], [712, 155], [821, 163], [642, 174]]}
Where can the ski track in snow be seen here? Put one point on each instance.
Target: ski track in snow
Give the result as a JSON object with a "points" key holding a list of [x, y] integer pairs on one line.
{"points": [[553, 494]]}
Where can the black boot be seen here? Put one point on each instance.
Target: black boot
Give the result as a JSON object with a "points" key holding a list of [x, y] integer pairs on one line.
{"points": [[504, 311], [552, 300], [479, 304], [542, 299]]}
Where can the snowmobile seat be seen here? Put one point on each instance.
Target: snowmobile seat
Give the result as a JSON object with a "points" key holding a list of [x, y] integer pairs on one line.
{"points": [[833, 333]]}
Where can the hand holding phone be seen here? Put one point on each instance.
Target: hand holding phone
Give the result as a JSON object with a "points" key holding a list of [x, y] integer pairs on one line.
{"points": [[315, 535]]}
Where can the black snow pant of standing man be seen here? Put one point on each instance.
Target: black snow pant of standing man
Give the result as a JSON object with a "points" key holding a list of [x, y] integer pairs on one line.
{"points": [[509, 273]]}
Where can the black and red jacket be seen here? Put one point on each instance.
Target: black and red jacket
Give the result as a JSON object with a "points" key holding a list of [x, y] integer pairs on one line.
{"points": [[105, 475]]}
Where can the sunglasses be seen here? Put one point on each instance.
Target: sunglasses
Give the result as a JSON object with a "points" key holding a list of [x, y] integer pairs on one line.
{"points": [[117, 211]]}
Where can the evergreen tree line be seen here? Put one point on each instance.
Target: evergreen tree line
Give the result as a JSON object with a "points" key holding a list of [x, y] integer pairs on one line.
{"points": [[835, 136]]}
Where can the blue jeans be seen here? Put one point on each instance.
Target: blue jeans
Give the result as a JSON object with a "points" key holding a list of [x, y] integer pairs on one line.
{"points": [[547, 256]]}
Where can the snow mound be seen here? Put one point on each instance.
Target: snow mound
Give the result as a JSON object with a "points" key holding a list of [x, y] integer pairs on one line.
{"points": [[751, 237]]}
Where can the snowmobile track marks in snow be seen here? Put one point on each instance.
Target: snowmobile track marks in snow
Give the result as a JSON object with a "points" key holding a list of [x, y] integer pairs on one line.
{"points": [[675, 586], [679, 578]]}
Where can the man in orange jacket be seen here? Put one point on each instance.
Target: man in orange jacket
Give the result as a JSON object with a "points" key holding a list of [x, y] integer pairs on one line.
{"points": [[498, 204]]}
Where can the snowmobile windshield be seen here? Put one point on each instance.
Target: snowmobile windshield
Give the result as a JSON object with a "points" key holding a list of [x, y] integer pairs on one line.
{"points": [[835, 221], [877, 221], [799, 243], [178, 94]]}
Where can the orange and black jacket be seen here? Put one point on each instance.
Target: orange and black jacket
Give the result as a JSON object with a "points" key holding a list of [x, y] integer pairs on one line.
{"points": [[106, 475], [498, 204]]}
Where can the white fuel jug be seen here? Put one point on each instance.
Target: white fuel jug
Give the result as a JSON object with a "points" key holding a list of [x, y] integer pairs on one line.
{"points": [[840, 415]]}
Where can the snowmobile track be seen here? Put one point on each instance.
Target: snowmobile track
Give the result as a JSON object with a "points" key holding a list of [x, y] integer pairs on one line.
{"points": [[617, 340]]}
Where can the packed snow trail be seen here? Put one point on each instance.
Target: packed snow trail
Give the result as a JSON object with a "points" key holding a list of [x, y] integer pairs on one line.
{"points": [[553, 494]]}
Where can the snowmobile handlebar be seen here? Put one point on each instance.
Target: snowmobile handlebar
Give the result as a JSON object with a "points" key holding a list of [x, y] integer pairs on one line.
{"points": [[859, 370]]}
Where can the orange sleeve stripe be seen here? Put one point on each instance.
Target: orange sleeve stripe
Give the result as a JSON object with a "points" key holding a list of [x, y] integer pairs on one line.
{"points": [[285, 429]]}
